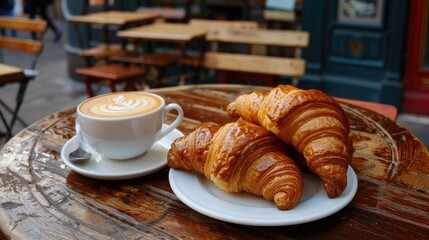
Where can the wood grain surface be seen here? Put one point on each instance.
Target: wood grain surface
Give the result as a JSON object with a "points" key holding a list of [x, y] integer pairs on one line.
{"points": [[40, 198], [281, 38], [117, 18], [170, 32]]}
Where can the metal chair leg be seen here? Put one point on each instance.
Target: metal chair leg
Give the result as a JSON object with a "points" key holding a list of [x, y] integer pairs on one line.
{"points": [[10, 110], [14, 112], [19, 101], [8, 130]]}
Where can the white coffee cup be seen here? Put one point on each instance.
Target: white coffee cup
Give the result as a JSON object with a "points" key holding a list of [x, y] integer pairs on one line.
{"points": [[124, 125]]}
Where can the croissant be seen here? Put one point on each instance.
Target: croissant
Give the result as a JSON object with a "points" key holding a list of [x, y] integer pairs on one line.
{"points": [[309, 120], [240, 156]]}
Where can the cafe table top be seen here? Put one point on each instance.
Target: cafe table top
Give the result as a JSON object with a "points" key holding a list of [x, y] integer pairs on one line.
{"points": [[41, 198], [10, 73], [116, 18], [173, 32]]}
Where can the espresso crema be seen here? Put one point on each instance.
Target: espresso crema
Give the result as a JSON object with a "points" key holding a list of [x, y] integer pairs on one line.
{"points": [[117, 105]]}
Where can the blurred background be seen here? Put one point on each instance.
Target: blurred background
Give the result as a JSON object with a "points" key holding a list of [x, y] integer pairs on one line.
{"points": [[372, 50]]}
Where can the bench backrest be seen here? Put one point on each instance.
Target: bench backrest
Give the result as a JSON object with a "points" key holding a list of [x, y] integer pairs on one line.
{"points": [[292, 67], [281, 38]]}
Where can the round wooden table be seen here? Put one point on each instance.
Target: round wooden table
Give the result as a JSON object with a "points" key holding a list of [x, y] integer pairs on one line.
{"points": [[41, 198]]}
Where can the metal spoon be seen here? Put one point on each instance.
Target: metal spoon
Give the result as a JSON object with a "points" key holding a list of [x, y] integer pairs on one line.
{"points": [[79, 155]]}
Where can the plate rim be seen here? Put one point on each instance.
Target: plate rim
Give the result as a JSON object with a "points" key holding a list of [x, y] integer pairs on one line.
{"points": [[352, 183]]}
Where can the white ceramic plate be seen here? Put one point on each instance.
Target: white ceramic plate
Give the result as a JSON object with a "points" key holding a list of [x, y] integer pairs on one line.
{"points": [[100, 167], [200, 194]]}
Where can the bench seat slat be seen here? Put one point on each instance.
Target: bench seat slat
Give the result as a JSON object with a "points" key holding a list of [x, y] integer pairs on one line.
{"points": [[256, 64]]}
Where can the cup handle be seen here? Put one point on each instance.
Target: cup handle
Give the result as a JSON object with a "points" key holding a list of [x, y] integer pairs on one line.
{"points": [[79, 133], [77, 126], [172, 126]]}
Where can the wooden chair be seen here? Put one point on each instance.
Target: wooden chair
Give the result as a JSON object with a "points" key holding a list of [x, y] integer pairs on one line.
{"points": [[31, 47], [111, 75], [259, 68]]}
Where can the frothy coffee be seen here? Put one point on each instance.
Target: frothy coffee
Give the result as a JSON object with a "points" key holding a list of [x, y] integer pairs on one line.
{"points": [[117, 105]]}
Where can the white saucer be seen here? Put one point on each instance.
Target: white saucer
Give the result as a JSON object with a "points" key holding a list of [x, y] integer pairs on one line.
{"points": [[200, 194], [100, 167]]}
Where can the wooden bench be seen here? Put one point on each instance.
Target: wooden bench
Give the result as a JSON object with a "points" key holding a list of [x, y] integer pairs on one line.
{"points": [[111, 75], [159, 61], [32, 48], [256, 68]]}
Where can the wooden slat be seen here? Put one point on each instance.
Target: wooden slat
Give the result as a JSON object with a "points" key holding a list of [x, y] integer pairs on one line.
{"points": [[260, 37], [223, 24], [279, 15], [23, 24], [103, 51], [21, 45], [257, 64]]}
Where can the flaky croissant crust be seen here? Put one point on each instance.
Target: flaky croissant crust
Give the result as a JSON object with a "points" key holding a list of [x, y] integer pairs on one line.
{"points": [[240, 156], [309, 120]]}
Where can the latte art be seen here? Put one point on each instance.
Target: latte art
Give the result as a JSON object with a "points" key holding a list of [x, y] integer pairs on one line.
{"points": [[122, 104], [118, 105]]}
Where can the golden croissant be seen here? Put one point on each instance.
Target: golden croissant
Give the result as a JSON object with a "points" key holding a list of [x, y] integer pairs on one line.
{"points": [[240, 156], [309, 120]]}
